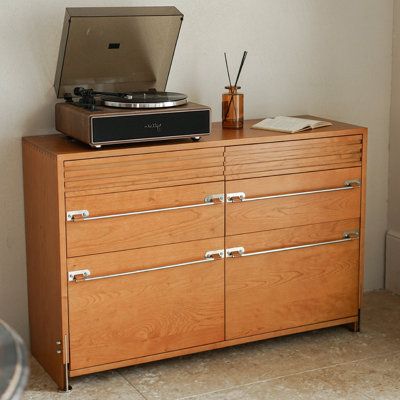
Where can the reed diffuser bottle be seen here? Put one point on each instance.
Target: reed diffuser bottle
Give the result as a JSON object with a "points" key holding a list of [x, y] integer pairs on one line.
{"points": [[232, 108], [232, 101]]}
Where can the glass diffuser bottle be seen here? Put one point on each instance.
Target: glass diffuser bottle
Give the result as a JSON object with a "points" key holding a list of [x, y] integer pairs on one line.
{"points": [[232, 108]]}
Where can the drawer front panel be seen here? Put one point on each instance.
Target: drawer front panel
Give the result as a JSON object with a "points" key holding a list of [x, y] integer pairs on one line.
{"points": [[150, 312], [120, 221], [112, 174], [292, 156], [295, 285], [292, 200]]}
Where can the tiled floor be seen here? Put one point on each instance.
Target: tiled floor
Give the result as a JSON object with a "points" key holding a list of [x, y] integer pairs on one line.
{"points": [[328, 364]]}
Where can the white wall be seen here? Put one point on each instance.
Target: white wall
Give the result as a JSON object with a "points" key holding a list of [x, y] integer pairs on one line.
{"points": [[393, 236], [330, 58]]}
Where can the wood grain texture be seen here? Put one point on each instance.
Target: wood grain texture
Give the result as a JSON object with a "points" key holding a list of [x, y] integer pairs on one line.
{"points": [[141, 200], [290, 171], [212, 346], [122, 233], [45, 262], [114, 234], [144, 258], [151, 169], [293, 156], [283, 164], [276, 291], [142, 185], [148, 313], [68, 120], [292, 211], [293, 236], [292, 148]]}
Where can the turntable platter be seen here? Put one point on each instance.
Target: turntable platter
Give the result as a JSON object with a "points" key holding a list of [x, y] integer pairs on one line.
{"points": [[145, 100]]}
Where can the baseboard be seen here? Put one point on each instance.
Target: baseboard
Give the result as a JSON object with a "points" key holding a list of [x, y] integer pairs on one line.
{"points": [[392, 276]]}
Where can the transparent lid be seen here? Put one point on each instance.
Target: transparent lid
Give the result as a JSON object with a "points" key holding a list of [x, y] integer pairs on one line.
{"points": [[119, 49]]}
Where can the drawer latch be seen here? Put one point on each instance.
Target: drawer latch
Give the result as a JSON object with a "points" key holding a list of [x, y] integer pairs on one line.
{"points": [[235, 252], [215, 254], [351, 235], [352, 183], [84, 274], [78, 276], [235, 197], [77, 215], [215, 198]]}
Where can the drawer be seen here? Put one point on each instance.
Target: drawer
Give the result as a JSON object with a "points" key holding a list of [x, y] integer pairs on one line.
{"points": [[291, 277], [147, 301], [134, 219], [292, 156], [292, 200], [142, 171]]}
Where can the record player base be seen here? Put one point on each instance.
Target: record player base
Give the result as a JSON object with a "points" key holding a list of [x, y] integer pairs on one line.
{"points": [[112, 126], [147, 252]]}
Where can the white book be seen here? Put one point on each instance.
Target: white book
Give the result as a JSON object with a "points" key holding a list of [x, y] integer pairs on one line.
{"points": [[289, 124]]}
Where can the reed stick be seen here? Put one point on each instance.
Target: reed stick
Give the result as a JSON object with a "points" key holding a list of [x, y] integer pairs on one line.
{"points": [[236, 81]]}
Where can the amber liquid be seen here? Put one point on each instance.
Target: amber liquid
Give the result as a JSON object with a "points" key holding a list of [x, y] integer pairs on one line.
{"points": [[232, 108]]}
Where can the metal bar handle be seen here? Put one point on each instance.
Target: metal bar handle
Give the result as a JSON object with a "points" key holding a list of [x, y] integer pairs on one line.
{"points": [[241, 196], [84, 274], [240, 251], [84, 215]]}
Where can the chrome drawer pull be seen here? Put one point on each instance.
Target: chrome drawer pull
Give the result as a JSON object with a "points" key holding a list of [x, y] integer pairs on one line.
{"points": [[84, 274], [240, 251], [83, 215], [241, 196]]}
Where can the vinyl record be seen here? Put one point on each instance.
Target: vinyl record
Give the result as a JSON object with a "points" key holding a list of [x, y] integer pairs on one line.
{"points": [[146, 100]]}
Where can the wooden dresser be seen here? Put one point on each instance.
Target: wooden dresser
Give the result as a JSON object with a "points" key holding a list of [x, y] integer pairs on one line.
{"points": [[145, 252]]}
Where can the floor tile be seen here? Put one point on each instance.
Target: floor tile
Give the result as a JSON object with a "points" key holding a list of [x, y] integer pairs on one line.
{"points": [[257, 391], [377, 378], [373, 378], [381, 313], [106, 385], [185, 376]]}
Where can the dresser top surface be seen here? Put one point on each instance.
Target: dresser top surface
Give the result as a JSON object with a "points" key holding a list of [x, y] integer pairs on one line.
{"points": [[60, 145]]}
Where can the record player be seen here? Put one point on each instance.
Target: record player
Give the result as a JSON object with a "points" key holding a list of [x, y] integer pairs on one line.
{"points": [[112, 72]]}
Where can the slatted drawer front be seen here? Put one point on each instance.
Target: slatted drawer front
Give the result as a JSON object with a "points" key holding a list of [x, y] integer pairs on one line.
{"points": [[291, 277], [112, 174], [165, 298], [292, 200], [292, 156], [143, 218]]}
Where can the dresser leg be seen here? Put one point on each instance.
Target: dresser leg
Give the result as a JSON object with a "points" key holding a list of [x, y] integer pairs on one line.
{"points": [[66, 390], [355, 326], [66, 387]]}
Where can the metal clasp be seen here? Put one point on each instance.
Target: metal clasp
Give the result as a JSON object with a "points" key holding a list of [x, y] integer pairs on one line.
{"points": [[77, 215], [215, 198], [235, 252], [235, 197], [215, 254], [78, 276], [352, 183], [351, 235]]}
